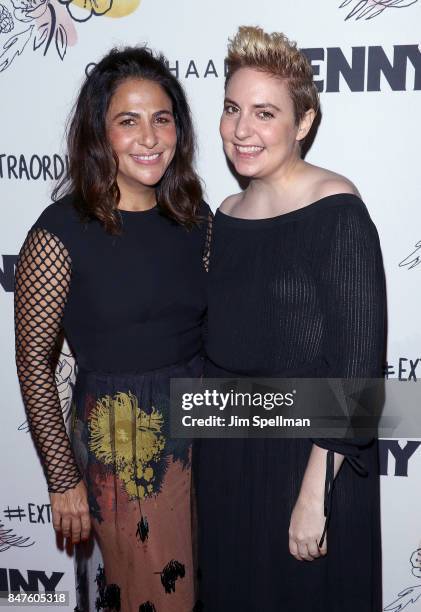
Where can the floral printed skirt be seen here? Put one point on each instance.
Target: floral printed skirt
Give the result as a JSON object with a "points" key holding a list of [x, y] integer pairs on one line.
{"points": [[139, 489]]}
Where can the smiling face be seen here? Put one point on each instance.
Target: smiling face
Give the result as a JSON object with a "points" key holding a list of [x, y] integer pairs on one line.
{"points": [[141, 130], [258, 126]]}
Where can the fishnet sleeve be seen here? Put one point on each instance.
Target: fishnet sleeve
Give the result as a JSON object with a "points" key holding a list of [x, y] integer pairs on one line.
{"points": [[208, 240], [41, 288]]}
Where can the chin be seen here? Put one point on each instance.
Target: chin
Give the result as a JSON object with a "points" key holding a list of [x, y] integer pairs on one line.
{"points": [[150, 180], [245, 169]]}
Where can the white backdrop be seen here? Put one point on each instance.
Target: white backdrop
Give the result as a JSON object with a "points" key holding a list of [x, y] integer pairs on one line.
{"points": [[370, 132]]}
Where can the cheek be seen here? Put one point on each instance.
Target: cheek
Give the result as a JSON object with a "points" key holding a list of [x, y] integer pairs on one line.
{"points": [[117, 139], [225, 127], [280, 136], [169, 136]]}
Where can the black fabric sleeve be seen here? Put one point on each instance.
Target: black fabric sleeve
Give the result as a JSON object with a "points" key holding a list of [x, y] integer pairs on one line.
{"points": [[352, 293], [353, 297], [42, 283]]}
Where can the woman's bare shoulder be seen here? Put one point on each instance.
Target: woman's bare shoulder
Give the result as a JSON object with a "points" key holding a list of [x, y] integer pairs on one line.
{"points": [[327, 183]]}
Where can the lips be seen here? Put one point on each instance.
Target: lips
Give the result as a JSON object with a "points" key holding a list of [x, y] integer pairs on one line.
{"points": [[248, 151], [146, 159]]}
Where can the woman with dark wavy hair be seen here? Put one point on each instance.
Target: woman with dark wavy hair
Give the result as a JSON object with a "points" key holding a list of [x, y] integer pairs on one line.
{"points": [[117, 262]]}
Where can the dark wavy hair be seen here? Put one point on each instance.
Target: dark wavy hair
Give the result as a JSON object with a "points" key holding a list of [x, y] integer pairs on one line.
{"points": [[93, 165]]}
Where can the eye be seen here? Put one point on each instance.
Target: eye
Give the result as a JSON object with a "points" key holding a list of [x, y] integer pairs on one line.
{"points": [[128, 122], [162, 119], [265, 115], [230, 109]]}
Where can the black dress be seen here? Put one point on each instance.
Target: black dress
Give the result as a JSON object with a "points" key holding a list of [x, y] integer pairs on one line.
{"points": [[301, 294], [132, 307]]}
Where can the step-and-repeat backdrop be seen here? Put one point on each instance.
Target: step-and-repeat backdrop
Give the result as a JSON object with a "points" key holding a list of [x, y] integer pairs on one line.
{"points": [[367, 64]]}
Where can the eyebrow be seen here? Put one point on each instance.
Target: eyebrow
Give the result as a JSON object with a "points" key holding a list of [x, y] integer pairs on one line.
{"points": [[137, 115], [260, 105]]}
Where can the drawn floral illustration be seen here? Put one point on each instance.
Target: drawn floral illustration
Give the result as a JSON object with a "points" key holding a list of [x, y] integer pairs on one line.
{"points": [[411, 595], [368, 9], [42, 25], [6, 20], [89, 8], [65, 375], [27, 10], [413, 259], [8, 539]]}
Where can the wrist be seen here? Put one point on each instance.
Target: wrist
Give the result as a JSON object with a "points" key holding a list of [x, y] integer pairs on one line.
{"points": [[312, 494]]}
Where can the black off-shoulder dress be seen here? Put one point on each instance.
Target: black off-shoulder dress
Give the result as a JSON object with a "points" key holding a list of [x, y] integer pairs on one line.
{"points": [[301, 294]]}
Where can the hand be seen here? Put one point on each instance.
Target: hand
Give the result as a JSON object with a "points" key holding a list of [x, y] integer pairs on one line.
{"points": [[306, 528], [70, 512]]}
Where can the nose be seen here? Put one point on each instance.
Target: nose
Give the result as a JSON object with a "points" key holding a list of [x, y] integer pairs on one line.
{"points": [[243, 128], [146, 136]]}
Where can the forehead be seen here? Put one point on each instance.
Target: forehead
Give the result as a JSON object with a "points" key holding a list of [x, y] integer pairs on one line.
{"points": [[133, 93], [252, 86]]}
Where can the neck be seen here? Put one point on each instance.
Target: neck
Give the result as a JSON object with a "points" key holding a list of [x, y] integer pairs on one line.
{"points": [[279, 183], [274, 194], [136, 199]]}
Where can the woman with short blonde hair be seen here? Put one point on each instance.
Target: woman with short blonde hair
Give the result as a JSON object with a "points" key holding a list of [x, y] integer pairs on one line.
{"points": [[296, 290]]}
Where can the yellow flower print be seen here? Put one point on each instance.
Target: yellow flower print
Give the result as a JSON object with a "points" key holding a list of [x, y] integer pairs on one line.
{"points": [[129, 440], [108, 8], [121, 8]]}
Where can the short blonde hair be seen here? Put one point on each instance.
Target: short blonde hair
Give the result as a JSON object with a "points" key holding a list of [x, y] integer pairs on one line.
{"points": [[275, 54]]}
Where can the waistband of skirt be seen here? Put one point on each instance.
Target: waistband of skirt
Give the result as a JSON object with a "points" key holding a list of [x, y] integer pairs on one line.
{"points": [[189, 368]]}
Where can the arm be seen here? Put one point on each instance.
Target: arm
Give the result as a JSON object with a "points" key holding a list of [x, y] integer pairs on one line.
{"points": [[41, 288], [308, 518], [353, 299]]}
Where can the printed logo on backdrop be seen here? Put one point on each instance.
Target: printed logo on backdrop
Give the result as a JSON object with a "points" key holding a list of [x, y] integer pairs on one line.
{"points": [[395, 456], [335, 69], [368, 9], [410, 595], [19, 517], [44, 25], [30, 513], [33, 167], [28, 581], [403, 369], [7, 272]]}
